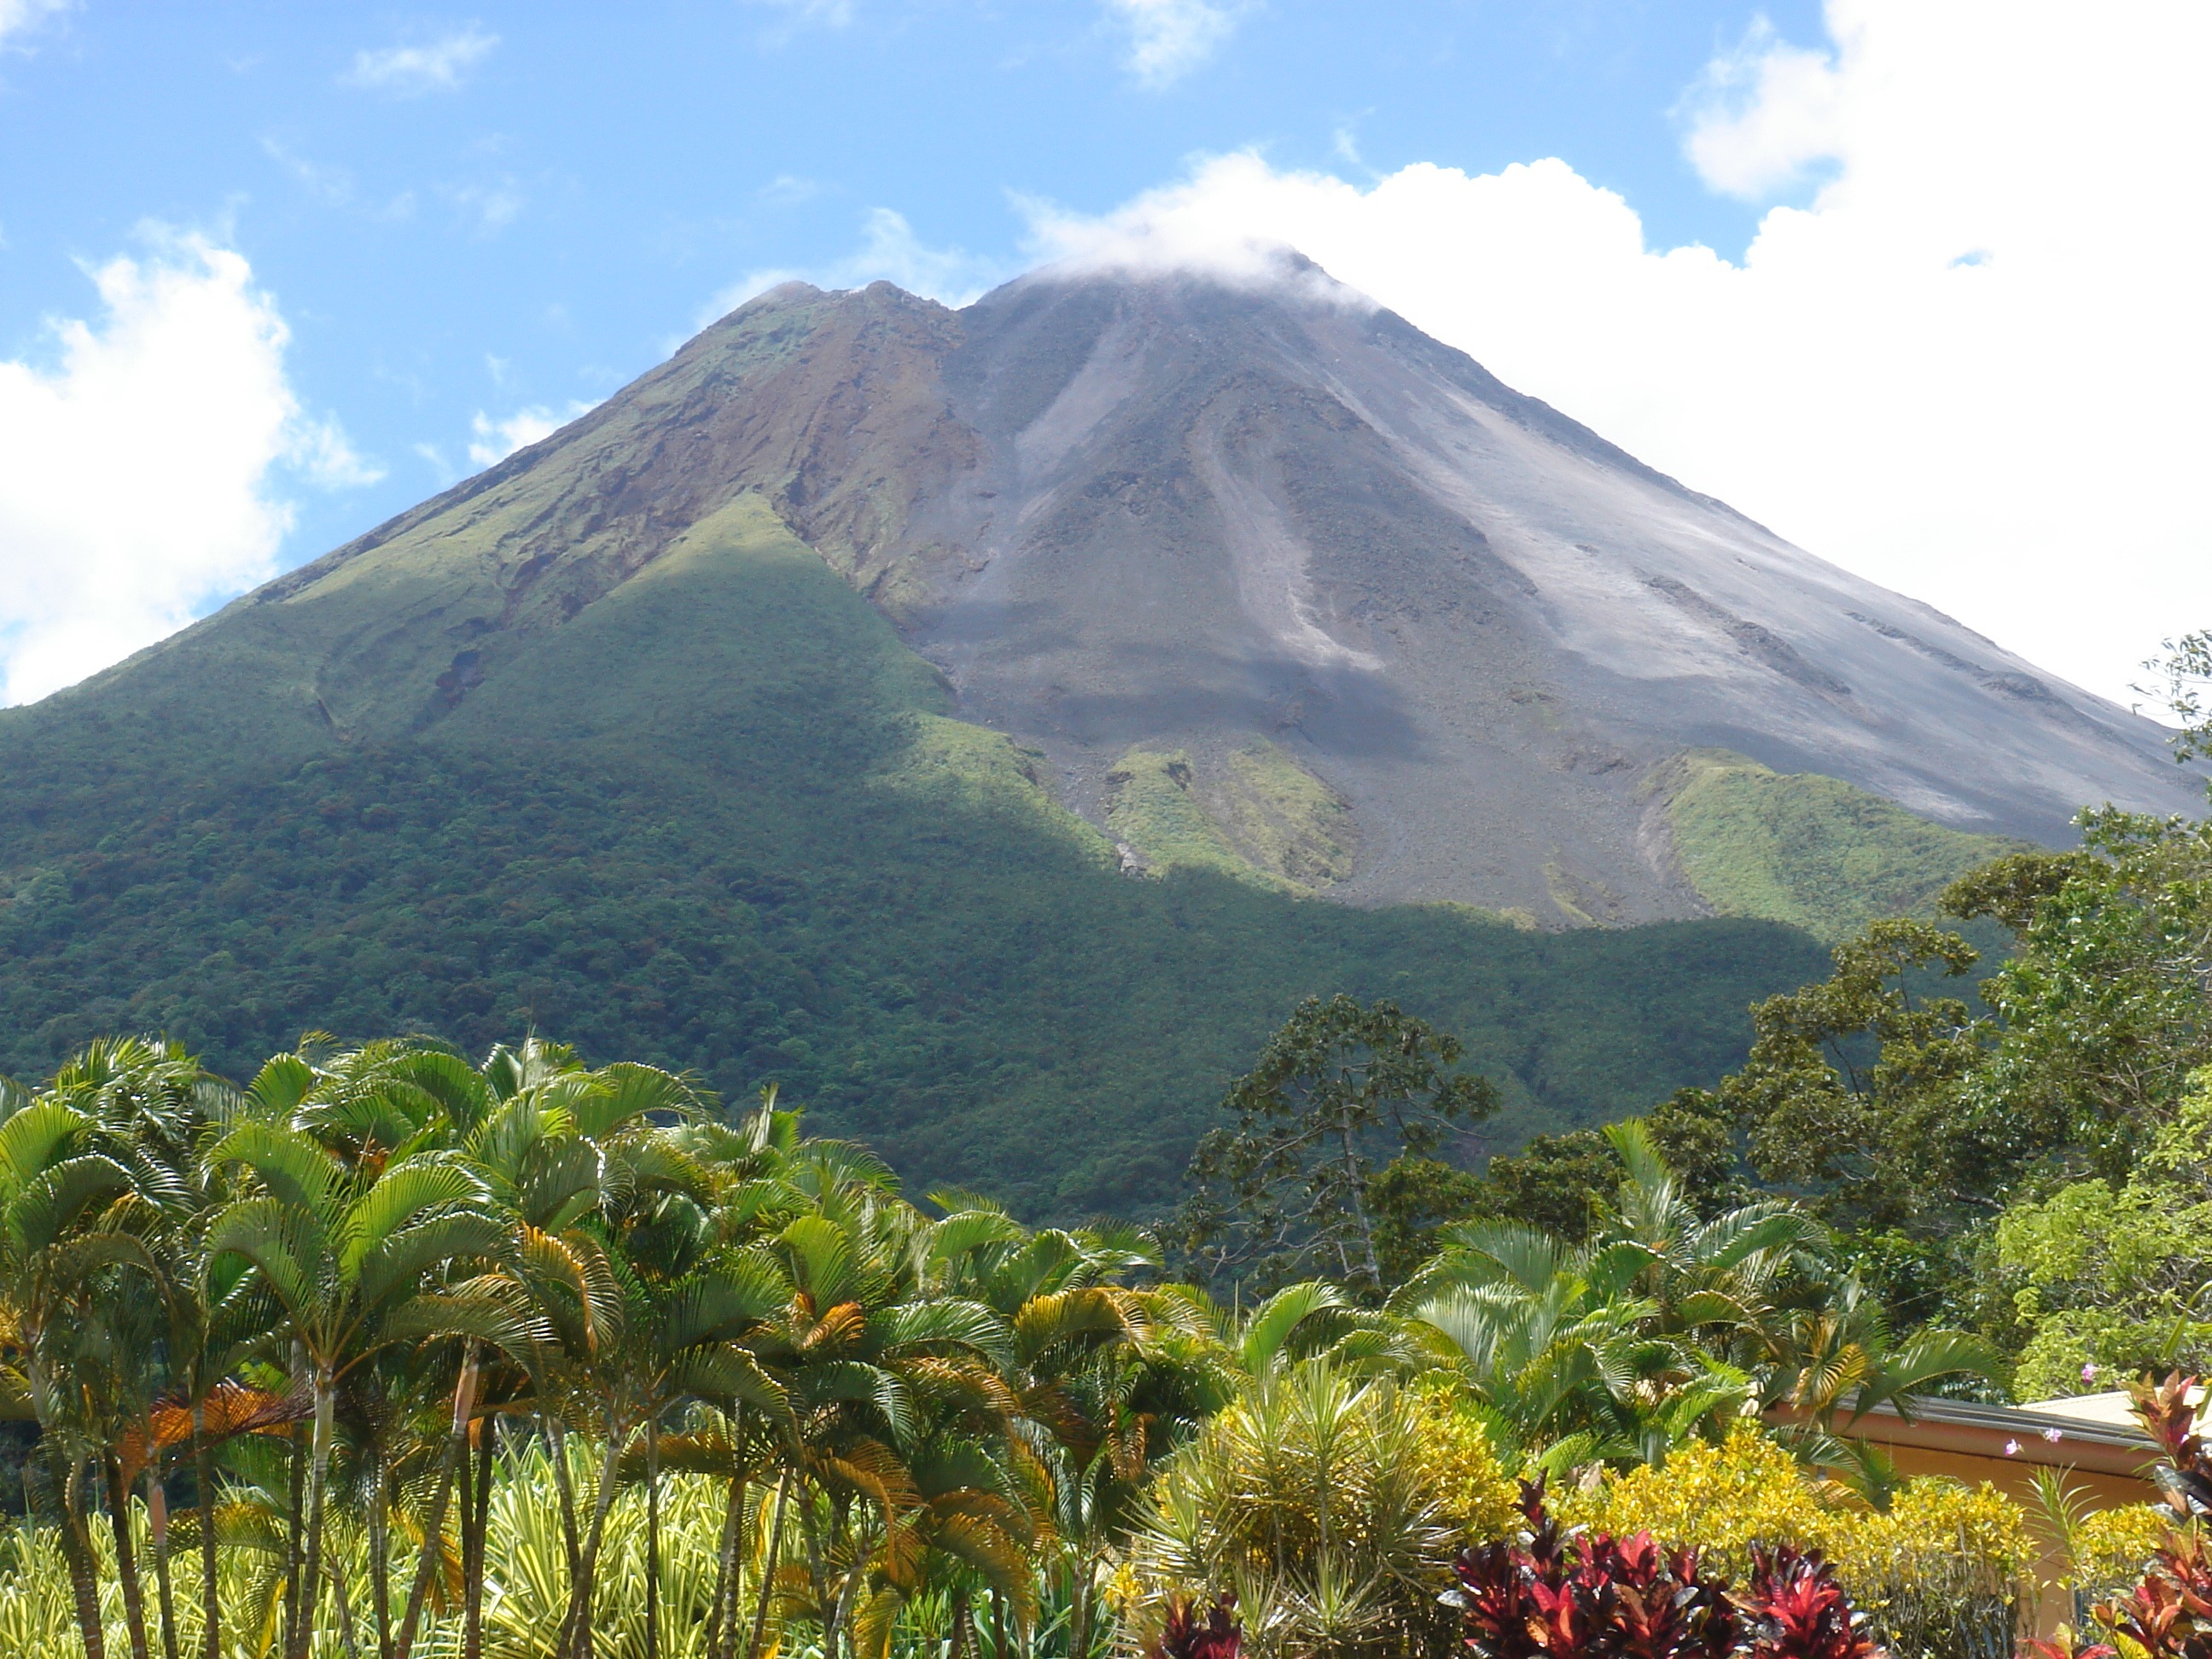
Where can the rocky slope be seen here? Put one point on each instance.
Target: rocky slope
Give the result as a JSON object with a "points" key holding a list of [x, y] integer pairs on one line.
{"points": [[1250, 528], [1170, 526]]}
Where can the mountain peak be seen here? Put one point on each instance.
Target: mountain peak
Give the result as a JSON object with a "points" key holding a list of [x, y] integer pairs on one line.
{"points": [[1137, 507]]}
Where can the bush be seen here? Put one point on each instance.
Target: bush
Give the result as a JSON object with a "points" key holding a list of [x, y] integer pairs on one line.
{"points": [[1724, 1498], [1940, 1574], [1314, 1499], [1590, 1595]]}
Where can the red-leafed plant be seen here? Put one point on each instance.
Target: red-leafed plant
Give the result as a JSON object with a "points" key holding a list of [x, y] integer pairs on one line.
{"points": [[1658, 1605], [2037, 1647], [2170, 1612], [1184, 1634], [1798, 1610], [2185, 1478], [1511, 1592], [1591, 1598]]}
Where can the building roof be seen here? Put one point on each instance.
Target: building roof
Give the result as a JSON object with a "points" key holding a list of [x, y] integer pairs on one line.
{"points": [[2038, 1434]]}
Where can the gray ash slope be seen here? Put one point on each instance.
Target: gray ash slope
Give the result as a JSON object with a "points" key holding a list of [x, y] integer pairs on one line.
{"points": [[1173, 513], [1176, 512]]}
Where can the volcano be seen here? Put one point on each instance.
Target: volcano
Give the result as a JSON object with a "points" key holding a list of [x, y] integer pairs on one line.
{"points": [[1265, 574], [987, 722]]}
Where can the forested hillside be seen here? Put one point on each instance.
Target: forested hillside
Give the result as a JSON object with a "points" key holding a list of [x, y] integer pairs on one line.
{"points": [[718, 821]]}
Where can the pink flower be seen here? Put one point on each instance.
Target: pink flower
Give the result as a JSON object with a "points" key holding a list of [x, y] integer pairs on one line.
{"points": [[2088, 1373], [2054, 1436], [2012, 1449]]}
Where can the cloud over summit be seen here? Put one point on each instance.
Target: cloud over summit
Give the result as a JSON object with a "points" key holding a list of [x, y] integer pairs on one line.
{"points": [[1967, 367]]}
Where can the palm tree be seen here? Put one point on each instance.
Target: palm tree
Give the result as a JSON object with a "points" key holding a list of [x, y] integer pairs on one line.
{"points": [[1834, 1358], [345, 1250], [1618, 1348], [60, 1190]]}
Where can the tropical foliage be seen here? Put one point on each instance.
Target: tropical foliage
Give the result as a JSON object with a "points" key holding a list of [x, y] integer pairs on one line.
{"points": [[391, 1352]]}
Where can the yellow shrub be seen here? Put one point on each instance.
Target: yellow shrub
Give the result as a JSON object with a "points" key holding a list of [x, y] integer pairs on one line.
{"points": [[1460, 1467], [1723, 1498], [1938, 1529], [2113, 1547], [1720, 1498]]}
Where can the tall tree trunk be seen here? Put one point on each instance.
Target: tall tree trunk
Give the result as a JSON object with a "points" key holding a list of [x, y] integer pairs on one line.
{"points": [[998, 1624], [652, 1537], [380, 1548], [210, 1595], [556, 1435], [319, 1479], [722, 1622], [126, 1557], [577, 1637], [157, 1523], [810, 1524], [1355, 1187], [434, 1523], [292, 1540], [335, 1570], [960, 1624], [77, 1550], [1078, 1612], [841, 1620], [479, 1527], [767, 1568], [465, 1500]]}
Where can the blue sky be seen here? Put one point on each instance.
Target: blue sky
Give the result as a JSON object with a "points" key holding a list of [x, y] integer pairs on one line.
{"points": [[455, 225]]}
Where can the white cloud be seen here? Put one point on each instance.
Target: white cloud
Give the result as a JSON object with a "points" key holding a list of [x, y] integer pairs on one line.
{"points": [[494, 441], [141, 479], [17, 16], [1762, 115], [1168, 38], [409, 71], [788, 189], [1970, 368], [890, 252]]}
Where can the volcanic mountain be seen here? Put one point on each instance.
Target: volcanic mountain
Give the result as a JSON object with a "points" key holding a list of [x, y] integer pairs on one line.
{"points": [[962, 717]]}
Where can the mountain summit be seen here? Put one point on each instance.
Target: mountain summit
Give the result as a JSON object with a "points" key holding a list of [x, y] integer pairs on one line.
{"points": [[1269, 577], [1190, 516]]}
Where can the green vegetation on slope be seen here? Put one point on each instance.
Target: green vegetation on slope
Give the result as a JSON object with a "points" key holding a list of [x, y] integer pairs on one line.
{"points": [[719, 820], [1283, 817], [1811, 851], [1259, 815], [1153, 809]]}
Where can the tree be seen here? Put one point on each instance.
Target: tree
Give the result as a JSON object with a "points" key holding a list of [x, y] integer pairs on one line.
{"points": [[1664, 1324], [1858, 1096], [2104, 1008], [1557, 1183], [346, 1249], [1285, 1193], [2114, 1278]]}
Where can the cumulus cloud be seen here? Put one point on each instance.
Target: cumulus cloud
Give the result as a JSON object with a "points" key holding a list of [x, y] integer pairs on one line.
{"points": [[1168, 38], [409, 71], [1762, 115], [494, 440], [1969, 366], [145, 462]]}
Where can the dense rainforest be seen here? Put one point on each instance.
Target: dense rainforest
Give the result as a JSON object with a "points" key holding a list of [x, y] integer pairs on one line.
{"points": [[719, 823]]}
